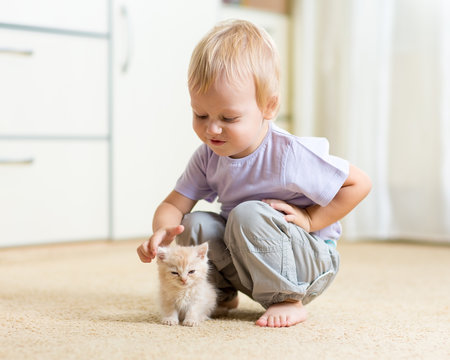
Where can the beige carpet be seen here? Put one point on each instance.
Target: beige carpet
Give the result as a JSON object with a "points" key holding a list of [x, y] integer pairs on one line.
{"points": [[97, 301]]}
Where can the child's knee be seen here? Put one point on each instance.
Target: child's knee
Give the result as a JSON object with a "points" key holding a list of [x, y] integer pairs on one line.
{"points": [[247, 208], [200, 227], [246, 214], [254, 222]]}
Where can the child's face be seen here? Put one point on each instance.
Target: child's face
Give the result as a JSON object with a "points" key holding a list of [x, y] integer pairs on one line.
{"points": [[228, 119]]}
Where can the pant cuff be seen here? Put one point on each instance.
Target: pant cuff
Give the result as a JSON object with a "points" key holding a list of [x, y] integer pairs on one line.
{"points": [[281, 298]]}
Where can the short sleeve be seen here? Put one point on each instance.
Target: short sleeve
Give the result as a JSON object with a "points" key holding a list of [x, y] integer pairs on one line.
{"points": [[193, 182], [310, 170]]}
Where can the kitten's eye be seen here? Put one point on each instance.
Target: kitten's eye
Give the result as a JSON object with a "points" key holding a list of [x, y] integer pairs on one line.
{"points": [[174, 273], [191, 272]]}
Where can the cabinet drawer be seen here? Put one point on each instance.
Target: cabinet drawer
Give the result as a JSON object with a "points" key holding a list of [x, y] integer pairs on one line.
{"points": [[52, 84], [79, 15], [59, 194]]}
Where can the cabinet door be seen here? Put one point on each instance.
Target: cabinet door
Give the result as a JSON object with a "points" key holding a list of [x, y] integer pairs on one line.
{"points": [[53, 85], [53, 191], [78, 15], [153, 138]]}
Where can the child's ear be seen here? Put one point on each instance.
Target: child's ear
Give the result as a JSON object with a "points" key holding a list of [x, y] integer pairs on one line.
{"points": [[202, 250], [271, 108], [161, 253]]}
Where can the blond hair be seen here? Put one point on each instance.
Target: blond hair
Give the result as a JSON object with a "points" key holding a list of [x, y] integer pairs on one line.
{"points": [[237, 49]]}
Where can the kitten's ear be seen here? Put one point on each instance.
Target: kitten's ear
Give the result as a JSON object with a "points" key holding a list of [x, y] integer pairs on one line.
{"points": [[162, 253], [202, 250]]}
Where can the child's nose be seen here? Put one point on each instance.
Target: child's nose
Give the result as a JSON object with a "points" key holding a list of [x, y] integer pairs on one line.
{"points": [[214, 128]]}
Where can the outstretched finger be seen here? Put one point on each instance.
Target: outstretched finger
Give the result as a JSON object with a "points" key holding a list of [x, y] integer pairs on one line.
{"points": [[163, 238], [155, 241], [177, 230]]}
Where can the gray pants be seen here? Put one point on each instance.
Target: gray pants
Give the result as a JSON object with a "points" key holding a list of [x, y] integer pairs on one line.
{"points": [[262, 255]]}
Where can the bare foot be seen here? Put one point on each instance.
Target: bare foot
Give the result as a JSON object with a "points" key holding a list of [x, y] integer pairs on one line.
{"points": [[283, 314]]}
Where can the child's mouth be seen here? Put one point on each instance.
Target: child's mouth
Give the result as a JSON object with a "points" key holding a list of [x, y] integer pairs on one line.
{"points": [[217, 142]]}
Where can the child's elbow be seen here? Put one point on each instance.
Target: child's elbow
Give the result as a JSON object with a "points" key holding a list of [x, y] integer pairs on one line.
{"points": [[361, 182], [366, 184]]}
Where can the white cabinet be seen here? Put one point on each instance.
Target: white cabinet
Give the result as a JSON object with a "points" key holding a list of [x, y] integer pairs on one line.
{"points": [[54, 122], [152, 134], [55, 191], [52, 84], [72, 15]]}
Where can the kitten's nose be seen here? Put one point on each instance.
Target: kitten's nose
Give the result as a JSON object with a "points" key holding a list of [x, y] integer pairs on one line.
{"points": [[183, 280]]}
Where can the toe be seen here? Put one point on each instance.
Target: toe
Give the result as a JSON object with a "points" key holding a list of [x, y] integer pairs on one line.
{"points": [[271, 321], [277, 321], [262, 321], [288, 321]]}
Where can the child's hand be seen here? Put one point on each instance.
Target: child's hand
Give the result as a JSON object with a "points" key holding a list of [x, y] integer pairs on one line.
{"points": [[163, 237], [293, 213]]}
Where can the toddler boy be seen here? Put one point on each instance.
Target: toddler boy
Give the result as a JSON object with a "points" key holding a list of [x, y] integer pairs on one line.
{"points": [[281, 196]]}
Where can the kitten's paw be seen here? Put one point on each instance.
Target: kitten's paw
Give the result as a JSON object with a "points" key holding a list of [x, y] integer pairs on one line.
{"points": [[191, 322], [169, 321]]}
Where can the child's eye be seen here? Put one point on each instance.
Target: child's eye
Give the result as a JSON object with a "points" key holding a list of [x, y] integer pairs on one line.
{"points": [[201, 117], [229, 119], [191, 272]]}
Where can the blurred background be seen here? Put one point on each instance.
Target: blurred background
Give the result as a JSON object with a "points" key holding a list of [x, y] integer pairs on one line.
{"points": [[95, 121]]}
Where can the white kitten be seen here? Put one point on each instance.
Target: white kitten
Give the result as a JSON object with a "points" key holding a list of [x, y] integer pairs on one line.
{"points": [[186, 295]]}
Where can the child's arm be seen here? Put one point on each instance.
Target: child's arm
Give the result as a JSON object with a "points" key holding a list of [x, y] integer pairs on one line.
{"points": [[166, 224], [316, 217]]}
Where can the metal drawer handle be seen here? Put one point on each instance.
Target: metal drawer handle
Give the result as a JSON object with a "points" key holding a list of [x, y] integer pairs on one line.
{"points": [[19, 52], [18, 161]]}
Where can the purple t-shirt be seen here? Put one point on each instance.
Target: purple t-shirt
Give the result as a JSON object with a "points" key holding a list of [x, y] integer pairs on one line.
{"points": [[297, 170]]}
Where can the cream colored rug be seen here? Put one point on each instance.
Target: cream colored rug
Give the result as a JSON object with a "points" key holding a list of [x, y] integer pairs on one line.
{"points": [[97, 301]]}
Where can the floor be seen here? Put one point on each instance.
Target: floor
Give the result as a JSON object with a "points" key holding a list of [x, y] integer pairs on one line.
{"points": [[97, 301]]}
